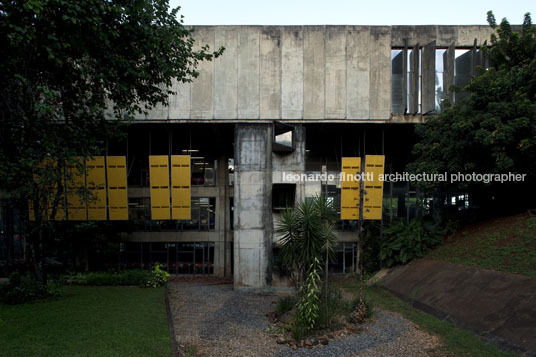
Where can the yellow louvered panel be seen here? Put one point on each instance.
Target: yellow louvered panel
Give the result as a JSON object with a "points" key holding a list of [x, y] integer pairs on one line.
{"points": [[350, 167], [350, 188], [372, 208], [180, 187], [76, 182], [96, 185], [159, 176], [117, 187]]}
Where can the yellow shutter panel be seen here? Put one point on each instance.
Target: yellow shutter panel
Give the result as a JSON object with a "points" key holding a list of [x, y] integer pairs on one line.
{"points": [[117, 187], [159, 176], [350, 188], [180, 187], [96, 185], [372, 208], [76, 183]]}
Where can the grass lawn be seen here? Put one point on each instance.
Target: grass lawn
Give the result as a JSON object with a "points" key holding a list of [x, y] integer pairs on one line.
{"points": [[88, 321], [504, 244], [457, 342]]}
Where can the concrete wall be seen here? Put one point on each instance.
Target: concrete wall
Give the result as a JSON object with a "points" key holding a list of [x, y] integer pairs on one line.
{"points": [[302, 73]]}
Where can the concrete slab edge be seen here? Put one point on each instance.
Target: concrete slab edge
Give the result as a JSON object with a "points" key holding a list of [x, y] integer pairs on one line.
{"points": [[171, 325]]}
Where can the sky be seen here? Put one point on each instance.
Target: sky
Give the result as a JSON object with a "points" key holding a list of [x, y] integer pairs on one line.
{"points": [[350, 12]]}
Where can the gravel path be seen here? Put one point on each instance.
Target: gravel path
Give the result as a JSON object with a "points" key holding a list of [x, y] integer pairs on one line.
{"points": [[218, 321]]}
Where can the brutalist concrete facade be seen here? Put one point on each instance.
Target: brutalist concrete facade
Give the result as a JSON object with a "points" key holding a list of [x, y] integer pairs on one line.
{"points": [[297, 75]]}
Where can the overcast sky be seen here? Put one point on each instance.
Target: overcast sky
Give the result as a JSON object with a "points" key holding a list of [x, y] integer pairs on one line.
{"points": [[354, 12]]}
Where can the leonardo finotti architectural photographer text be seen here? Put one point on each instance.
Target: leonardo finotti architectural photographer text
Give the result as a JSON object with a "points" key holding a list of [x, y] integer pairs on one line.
{"points": [[406, 176]]}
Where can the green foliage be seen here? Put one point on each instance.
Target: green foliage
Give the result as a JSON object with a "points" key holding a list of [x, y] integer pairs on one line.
{"points": [[494, 129], [21, 289], [286, 303], [502, 244], [145, 278], [118, 278], [403, 241], [68, 68], [307, 233], [158, 277], [307, 311], [333, 306]]}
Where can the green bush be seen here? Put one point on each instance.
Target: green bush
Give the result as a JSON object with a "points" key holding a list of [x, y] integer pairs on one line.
{"points": [[404, 241], [122, 277], [286, 303], [157, 277], [21, 289], [145, 278]]}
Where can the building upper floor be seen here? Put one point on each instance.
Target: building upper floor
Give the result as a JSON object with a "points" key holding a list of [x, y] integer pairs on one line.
{"points": [[324, 73]]}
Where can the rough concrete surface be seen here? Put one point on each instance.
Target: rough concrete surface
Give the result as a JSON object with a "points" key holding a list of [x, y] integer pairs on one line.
{"points": [[500, 307]]}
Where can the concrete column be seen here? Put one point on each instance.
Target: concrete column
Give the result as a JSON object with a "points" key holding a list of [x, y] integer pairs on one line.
{"points": [[405, 76], [414, 80], [222, 246], [448, 71], [252, 202], [428, 77]]}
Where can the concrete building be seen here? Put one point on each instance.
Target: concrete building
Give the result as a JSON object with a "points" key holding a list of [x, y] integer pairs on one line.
{"points": [[280, 100]]}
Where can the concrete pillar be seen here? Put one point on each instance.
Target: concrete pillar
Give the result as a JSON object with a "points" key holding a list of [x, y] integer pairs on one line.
{"points": [[448, 71], [252, 202], [428, 77], [222, 245], [414, 80]]}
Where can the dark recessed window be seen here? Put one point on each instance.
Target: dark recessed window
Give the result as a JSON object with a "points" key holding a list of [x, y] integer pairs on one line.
{"points": [[283, 196]]}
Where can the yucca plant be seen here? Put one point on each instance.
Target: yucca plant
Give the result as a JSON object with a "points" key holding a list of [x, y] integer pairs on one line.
{"points": [[307, 233]]}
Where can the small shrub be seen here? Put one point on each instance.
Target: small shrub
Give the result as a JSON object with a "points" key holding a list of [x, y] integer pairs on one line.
{"points": [[125, 277], [368, 306], [307, 310], [158, 277], [299, 331], [286, 303], [21, 289], [405, 241], [332, 305]]}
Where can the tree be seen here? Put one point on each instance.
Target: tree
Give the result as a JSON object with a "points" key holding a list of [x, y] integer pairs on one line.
{"points": [[494, 129], [62, 64], [307, 235]]}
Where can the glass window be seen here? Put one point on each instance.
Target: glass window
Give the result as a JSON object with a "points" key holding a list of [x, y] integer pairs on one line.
{"points": [[440, 90], [397, 82], [203, 171]]}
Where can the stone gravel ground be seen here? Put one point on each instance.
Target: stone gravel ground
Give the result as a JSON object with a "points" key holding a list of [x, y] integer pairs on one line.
{"points": [[212, 319]]}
